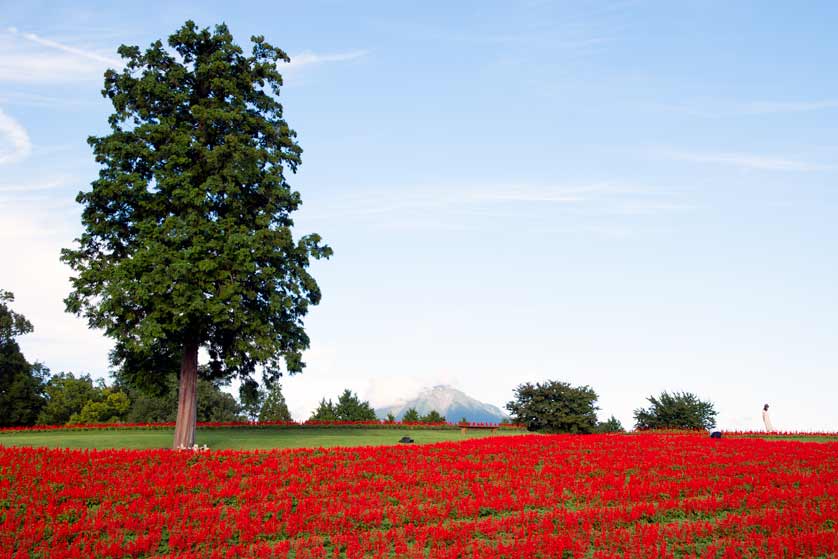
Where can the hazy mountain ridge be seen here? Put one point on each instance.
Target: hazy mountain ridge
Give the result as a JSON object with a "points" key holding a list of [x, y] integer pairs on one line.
{"points": [[452, 403]]}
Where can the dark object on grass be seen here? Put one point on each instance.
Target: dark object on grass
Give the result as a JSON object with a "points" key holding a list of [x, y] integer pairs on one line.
{"points": [[405, 440], [716, 435]]}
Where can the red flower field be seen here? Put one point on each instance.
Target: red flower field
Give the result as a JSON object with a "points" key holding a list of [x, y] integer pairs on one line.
{"points": [[598, 496]]}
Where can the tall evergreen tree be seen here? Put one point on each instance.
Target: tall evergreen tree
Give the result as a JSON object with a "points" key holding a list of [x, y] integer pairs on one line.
{"points": [[411, 415], [274, 407], [350, 408], [187, 239], [325, 411]]}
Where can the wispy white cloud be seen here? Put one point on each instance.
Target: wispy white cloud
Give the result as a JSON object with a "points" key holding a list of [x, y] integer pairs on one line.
{"points": [[580, 208], [48, 184], [29, 58], [746, 161], [29, 99], [566, 195], [308, 58], [716, 109], [84, 53], [764, 107], [14, 140]]}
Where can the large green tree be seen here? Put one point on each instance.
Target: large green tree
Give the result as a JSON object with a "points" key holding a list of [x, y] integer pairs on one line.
{"points": [[555, 407], [274, 407], [679, 410], [21, 383], [187, 240], [348, 408]]}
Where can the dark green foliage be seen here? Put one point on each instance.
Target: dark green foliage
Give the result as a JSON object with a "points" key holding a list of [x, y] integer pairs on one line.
{"points": [[612, 425], [187, 236], [150, 408], [325, 411], [251, 397], [67, 396], [21, 387], [213, 404], [274, 407], [555, 407], [679, 410], [216, 405], [432, 416], [348, 408], [390, 417], [21, 383], [411, 416], [12, 324]]}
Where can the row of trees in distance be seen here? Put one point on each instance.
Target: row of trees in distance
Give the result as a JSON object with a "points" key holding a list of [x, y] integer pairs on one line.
{"points": [[350, 408], [558, 407], [29, 395]]}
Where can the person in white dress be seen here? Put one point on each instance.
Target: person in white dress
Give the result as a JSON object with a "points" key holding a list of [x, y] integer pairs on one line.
{"points": [[766, 419]]}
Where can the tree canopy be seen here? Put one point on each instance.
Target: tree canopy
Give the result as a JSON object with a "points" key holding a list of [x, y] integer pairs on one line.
{"points": [[555, 407], [611, 425], [67, 396], [348, 408], [21, 382], [432, 416], [679, 410], [187, 240], [274, 407]]}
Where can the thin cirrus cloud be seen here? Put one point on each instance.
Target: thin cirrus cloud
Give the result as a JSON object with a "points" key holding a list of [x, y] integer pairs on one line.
{"points": [[308, 58], [746, 161], [54, 61], [14, 140], [512, 201], [28, 58], [750, 109], [766, 107], [84, 53]]}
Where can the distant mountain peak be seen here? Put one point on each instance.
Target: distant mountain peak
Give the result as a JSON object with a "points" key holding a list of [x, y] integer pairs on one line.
{"points": [[454, 404]]}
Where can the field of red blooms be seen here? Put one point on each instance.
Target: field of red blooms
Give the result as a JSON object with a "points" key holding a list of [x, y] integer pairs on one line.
{"points": [[598, 496]]}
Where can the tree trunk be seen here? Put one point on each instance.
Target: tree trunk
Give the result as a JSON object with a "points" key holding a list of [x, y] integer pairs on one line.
{"points": [[187, 401]]}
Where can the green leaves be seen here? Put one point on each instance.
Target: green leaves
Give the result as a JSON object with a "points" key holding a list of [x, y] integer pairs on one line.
{"points": [[348, 408], [12, 324], [555, 407], [187, 231], [679, 410]]}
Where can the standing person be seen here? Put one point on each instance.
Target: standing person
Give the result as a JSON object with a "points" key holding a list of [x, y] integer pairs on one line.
{"points": [[766, 419]]}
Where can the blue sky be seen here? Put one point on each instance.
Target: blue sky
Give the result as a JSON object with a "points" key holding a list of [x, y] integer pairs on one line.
{"points": [[638, 196]]}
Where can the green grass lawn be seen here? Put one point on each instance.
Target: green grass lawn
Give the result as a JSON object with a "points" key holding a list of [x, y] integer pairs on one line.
{"points": [[241, 438], [801, 438]]}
